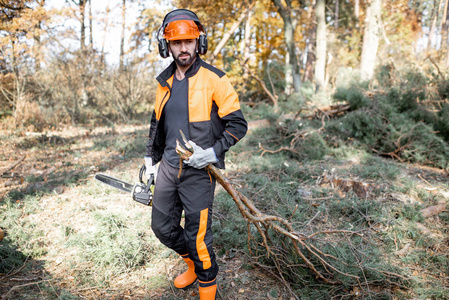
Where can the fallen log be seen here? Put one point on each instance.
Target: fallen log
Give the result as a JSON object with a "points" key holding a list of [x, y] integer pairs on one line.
{"points": [[12, 166]]}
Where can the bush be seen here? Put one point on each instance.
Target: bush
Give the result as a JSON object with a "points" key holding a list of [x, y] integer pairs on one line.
{"points": [[397, 122]]}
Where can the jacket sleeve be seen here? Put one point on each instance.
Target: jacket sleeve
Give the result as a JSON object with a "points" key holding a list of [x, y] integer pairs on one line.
{"points": [[151, 135], [230, 113]]}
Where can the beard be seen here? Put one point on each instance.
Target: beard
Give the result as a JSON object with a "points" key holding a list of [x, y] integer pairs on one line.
{"points": [[185, 61]]}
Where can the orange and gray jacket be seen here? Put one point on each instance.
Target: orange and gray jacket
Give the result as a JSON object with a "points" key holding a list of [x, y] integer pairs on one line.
{"points": [[215, 118]]}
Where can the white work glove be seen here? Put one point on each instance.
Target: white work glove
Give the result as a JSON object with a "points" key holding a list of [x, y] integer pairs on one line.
{"points": [[150, 169], [201, 157]]}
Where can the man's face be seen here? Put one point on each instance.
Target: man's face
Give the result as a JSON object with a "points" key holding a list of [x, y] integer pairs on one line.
{"points": [[183, 51]]}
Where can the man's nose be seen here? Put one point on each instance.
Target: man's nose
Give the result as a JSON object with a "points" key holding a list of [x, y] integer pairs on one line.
{"points": [[183, 46]]}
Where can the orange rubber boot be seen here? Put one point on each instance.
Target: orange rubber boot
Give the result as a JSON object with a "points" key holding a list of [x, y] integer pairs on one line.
{"points": [[208, 293], [188, 277]]}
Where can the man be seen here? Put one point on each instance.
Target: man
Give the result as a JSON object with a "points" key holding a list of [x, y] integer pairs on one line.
{"points": [[198, 99]]}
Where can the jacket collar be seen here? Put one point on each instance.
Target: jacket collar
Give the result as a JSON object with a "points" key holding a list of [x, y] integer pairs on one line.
{"points": [[170, 70]]}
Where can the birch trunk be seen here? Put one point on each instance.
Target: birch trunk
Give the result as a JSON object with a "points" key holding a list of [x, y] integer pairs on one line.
{"points": [[91, 29], [371, 39], [321, 44], [122, 37], [445, 31]]}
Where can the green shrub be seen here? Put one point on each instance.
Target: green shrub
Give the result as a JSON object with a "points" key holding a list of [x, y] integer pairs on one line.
{"points": [[354, 95], [395, 123]]}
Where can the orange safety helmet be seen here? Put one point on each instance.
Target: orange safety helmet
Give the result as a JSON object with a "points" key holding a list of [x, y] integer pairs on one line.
{"points": [[181, 24], [181, 30]]}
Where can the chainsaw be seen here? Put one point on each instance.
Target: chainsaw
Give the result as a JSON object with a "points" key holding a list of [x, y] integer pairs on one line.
{"points": [[140, 192]]}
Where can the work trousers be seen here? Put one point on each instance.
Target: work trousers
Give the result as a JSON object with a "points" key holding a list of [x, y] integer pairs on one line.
{"points": [[193, 192]]}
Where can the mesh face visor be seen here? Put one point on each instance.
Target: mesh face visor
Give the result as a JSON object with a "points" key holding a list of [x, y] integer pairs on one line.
{"points": [[181, 30]]}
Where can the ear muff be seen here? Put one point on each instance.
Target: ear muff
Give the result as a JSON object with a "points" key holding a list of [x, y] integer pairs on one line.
{"points": [[202, 44], [163, 48], [181, 14]]}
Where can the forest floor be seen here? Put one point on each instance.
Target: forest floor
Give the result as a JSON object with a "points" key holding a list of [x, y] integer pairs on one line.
{"points": [[57, 170], [47, 186]]}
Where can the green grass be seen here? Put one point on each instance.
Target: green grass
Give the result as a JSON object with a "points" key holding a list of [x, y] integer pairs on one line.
{"points": [[100, 238]]}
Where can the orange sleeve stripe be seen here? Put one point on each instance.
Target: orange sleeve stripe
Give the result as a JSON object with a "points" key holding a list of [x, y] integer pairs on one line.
{"points": [[201, 247], [233, 136]]}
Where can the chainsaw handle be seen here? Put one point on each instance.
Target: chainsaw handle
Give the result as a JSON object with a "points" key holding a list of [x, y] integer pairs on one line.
{"points": [[150, 180], [141, 172]]}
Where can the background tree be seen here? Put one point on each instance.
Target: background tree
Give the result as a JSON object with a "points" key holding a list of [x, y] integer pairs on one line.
{"points": [[445, 31], [290, 15], [321, 51], [371, 39], [81, 6]]}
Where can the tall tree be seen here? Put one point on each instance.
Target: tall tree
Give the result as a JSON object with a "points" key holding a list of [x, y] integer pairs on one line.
{"points": [[122, 37], [105, 28], [321, 44], [371, 38], [37, 38], [246, 43], [290, 17], [81, 4], [91, 26], [357, 8], [310, 50], [445, 29], [433, 23]]}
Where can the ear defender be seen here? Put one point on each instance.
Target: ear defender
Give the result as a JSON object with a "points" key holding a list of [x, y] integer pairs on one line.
{"points": [[202, 44], [163, 48]]}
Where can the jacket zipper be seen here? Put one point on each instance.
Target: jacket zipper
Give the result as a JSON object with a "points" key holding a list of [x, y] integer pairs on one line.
{"points": [[162, 104]]}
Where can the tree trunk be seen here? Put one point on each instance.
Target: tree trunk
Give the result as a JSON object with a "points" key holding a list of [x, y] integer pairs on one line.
{"points": [[91, 27], [122, 38], [445, 31], [310, 48], [357, 8], [292, 79], [82, 8], [246, 44], [371, 39], [433, 24], [37, 41], [337, 12], [321, 44], [106, 24]]}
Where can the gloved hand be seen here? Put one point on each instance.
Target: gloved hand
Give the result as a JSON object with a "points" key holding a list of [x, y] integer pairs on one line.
{"points": [[150, 169], [201, 157]]}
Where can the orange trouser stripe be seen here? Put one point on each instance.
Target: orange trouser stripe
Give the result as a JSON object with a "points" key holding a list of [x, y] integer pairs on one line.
{"points": [[201, 247]]}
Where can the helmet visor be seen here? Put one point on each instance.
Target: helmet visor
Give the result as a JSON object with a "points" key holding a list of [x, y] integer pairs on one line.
{"points": [[181, 30]]}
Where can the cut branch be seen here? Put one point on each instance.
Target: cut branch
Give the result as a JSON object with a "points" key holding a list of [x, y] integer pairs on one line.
{"points": [[264, 223]]}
